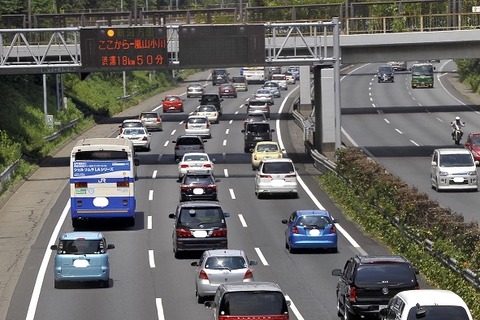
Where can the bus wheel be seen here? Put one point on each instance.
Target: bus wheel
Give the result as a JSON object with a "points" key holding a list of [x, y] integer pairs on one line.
{"points": [[76, 223], [130, 222]]}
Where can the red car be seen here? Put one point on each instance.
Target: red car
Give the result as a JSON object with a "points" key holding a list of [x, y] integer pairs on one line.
{"points": [[473, 144], [172, 103], [227, 90]]}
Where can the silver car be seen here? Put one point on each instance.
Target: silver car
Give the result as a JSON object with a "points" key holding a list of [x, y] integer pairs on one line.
{"points": [[276, 176], [198, 126], [220, 266], [453, 168], [151, 120]]}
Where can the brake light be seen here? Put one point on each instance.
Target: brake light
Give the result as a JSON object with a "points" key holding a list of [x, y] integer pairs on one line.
{"points": [[183, 233], [159, 120], [123, 184], [295, 230], [203, 275], [184, 188], [212, 187], [81, 184], [207, 165], [184, 166], [220, 232], [352, 295], [265, 176], [333, 229], [248, 274]]}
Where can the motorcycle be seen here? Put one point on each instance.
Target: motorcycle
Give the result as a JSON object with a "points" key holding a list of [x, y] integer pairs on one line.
{"points": [[457, 135]]}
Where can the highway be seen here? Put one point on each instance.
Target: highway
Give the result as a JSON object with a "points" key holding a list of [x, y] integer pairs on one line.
{"points": [[400, 126], [149, 283]]}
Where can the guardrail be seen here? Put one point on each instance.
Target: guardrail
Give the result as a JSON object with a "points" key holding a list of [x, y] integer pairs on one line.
{"points": [[60, 129], [323, 164], [7, 174]]}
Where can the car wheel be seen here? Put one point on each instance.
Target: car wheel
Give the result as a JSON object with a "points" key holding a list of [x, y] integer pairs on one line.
{"points": [[291, 250], [177, 254], [57, 284], [334, 250], [347, 315], [200, 299], [77, 224], [105, 283], [295, 195], [130, 222]]}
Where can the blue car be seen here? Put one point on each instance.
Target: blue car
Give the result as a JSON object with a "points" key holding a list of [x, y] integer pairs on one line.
{"points": [[310, 229], [82, 256]]}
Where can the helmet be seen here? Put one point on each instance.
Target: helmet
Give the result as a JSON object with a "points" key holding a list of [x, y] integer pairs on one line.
{"points": [[457, 118]]}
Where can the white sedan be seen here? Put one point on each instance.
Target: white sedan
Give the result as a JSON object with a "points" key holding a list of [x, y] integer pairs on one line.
{"points": [[140, 137], [195, 161], [209, 111]]}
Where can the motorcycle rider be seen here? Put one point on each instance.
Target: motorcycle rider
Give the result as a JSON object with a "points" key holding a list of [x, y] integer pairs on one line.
{"points": [[457, 124]]}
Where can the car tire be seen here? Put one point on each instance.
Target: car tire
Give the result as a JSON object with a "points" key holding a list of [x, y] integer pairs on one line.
{"points": [[291, 250], [200, 299], [105, 283], [57, 284], [295, 195], [347, 315], [130, 222], [333, 250], [177, 254], [76, 224]]}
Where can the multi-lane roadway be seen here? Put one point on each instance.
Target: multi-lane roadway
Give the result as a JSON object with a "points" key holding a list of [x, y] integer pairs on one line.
{"points": [[149, 283]]}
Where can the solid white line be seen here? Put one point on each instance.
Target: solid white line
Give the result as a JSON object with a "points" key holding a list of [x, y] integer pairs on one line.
{"points": [[158, 107], [227, 131], [154, 175], [32, 307], [149, 223], [294, 309], [398, 131], [261, 257], [350, 239], [150, 195], [151, 259], [225, 173], [242, 220], [232, 194], [173, 132], [224, 142], [160, 313]]}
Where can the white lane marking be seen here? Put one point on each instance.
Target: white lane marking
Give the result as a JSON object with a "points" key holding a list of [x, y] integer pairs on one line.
{"points": [[173, 132], [227, 131], [294, 309], [158, 107], [415, 143], [242, 220], [445, 89], [166, 143], [261, 257], [230, 122], [150, 195], [225, 173], [398, 131], [232, 194], [181, 122], [386, 120], [441, 120], [304, 186], [154, 175], [151, 259], [149, 222], [224, 142], [160, 313], [32, 306]]}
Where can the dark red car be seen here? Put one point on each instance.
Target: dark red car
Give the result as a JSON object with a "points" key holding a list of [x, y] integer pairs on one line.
{"points": [[172, 103], [473, 144], [227, 90]]}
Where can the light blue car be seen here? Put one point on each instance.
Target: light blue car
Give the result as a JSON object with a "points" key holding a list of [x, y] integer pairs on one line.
{"points": [[82, 257], [310, 229]]}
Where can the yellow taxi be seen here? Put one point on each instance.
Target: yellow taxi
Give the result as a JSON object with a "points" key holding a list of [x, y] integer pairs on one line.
{"points": [[265, 150]]}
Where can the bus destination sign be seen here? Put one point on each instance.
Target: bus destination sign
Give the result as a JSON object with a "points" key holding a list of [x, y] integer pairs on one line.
{"points": [[125, 48]]}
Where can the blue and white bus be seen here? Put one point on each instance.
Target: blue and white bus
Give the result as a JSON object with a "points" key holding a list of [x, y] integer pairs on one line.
{"points": [[102, 180]]}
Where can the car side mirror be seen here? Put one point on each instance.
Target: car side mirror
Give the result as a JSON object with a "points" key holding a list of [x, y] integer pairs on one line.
{"points": [[209, 304], [226, 214], [284, 221], [253, 262], [434, 163], [243, 130], [171, 216], [110, 246], [194, 264], [273, 130], [336, 272]]}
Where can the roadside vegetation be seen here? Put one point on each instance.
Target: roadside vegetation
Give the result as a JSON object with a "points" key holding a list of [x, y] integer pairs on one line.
{"points": [[407, 221]]}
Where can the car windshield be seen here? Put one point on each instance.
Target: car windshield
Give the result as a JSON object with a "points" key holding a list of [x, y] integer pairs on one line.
{"points": [[384, 272], [198, 180], [278, 167], [258, 127], [253, 303], [81, 246], [267, 148], [149, 115], [132, 124], [456, 160], [193, 217], [439, 313], [172, 98], [195, 157], [206, 109], [230, 263], [318, 221], [425, 69]]}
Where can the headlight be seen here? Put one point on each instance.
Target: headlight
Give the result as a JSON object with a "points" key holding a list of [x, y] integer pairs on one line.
{"points": [[443, 173]]}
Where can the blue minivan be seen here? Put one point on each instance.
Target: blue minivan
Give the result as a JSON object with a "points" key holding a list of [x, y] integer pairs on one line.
{"points": [[82, 257]]}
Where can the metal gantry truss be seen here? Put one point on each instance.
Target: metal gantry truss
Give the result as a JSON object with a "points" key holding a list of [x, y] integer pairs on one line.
{"points": [[57, 50]]}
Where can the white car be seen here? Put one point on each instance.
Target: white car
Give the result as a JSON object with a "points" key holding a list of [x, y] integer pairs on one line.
{"points": [[426, 304], [264, 95], [198, 126], [276, 176], [140, 137], [209, 111], [453, 168], [281, 79], [195, 161], [290, 78]]}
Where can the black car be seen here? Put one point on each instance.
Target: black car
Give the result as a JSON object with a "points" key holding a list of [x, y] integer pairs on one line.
{"points": [[214, 99], [385, 74], [198, 186], [199, 226], [367, 283], [220, 76], [255, 132]]}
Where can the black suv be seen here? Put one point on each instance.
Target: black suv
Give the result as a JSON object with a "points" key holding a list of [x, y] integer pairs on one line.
{"points": [[220, 76], [214, 99], [367, 283], [255, 132], [199, 226], [385, 74]]}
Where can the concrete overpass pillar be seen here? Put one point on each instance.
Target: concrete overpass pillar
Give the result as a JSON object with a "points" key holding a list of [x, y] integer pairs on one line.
{"points": [[305, 88], [324, 101]]}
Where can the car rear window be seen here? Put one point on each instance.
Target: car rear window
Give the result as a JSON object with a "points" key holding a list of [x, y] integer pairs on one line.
{"points": [[278, 167], [210, 99], [318, 221], [238, 79], [197, 120], [193, 217], [81, 246], [206, 108], [229, 263], [439, 313], [389, 272], [189, 141], [267, 147], [258, 127], [257, 103], [253, 303], [198, 179], [149, 115]]}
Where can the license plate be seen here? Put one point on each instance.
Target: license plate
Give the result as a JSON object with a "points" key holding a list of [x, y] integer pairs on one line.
{"points": [[199, 234], [458, 179], [314, 232], [81, 263], [198, 191]]}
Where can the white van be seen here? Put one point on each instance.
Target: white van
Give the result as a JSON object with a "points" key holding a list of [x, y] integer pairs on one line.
{"points": [[427, 304], [453, 168]]}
